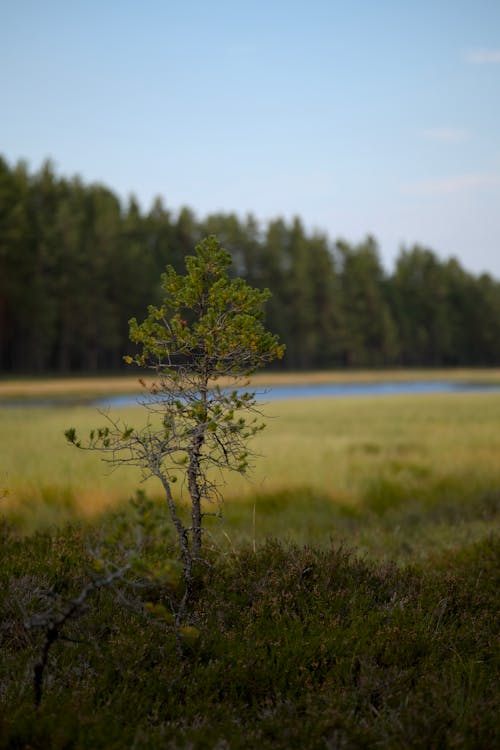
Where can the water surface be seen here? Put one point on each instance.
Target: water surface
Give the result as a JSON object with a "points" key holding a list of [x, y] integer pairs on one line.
{"points": [[339, 390], [281, 392]]}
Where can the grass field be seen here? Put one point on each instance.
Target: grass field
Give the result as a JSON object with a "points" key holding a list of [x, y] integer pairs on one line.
{"points": [[398, 476]]}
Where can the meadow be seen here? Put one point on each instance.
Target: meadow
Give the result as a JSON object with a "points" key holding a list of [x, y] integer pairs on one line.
{"points": [[350, 597], [396, 476]]}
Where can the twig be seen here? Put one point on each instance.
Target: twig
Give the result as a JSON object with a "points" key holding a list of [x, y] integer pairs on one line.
{"points": [[54, 625]]}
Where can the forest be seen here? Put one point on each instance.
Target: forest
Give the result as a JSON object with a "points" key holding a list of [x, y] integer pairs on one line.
{"points": [[76, 264]]}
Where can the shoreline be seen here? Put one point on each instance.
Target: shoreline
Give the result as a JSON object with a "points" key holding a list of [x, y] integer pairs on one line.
{"points": [[89, 386]]}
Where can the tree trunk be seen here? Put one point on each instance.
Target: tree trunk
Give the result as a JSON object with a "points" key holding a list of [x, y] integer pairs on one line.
{"points": [[194, 477]]}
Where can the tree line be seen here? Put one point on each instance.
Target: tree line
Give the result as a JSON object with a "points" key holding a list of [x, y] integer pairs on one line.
{"points": [[76, 264]]}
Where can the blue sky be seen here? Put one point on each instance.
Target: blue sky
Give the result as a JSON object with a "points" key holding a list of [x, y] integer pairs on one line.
{"points": [[361, 117]]}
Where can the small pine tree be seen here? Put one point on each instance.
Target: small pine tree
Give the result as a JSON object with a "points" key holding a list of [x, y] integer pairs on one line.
{"points": [[202, 343]]}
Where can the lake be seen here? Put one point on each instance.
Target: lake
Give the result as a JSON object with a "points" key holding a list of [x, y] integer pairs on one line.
{"points": [[339, 390], [283, 392]]}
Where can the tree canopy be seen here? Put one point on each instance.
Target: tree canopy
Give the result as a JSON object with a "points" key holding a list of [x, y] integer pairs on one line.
{"points": [[76, 263]]}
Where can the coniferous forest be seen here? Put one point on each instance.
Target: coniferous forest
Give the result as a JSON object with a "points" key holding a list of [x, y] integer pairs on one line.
{"points": [[76, 264]]}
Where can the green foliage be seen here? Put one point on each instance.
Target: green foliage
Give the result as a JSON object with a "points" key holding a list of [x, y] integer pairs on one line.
{"points": [[288, 648], [208, 325]]}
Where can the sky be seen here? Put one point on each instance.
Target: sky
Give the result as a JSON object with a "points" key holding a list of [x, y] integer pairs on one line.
{"points": [[360, 116]]}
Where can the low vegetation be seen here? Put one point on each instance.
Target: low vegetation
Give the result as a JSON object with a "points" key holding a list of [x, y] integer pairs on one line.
{"points": [[349, 599], [287, 647]]}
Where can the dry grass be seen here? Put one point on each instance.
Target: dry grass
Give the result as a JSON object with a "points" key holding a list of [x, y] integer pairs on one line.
{"points": [[352, 452]]}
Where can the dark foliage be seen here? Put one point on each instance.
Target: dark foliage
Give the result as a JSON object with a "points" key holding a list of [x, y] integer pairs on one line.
{"points": [[75, 265], [296, 648]]}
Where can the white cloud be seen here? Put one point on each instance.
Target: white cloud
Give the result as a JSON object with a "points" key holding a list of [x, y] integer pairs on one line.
{"points": [[445, 135], [483, 56], [458, 184]]}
